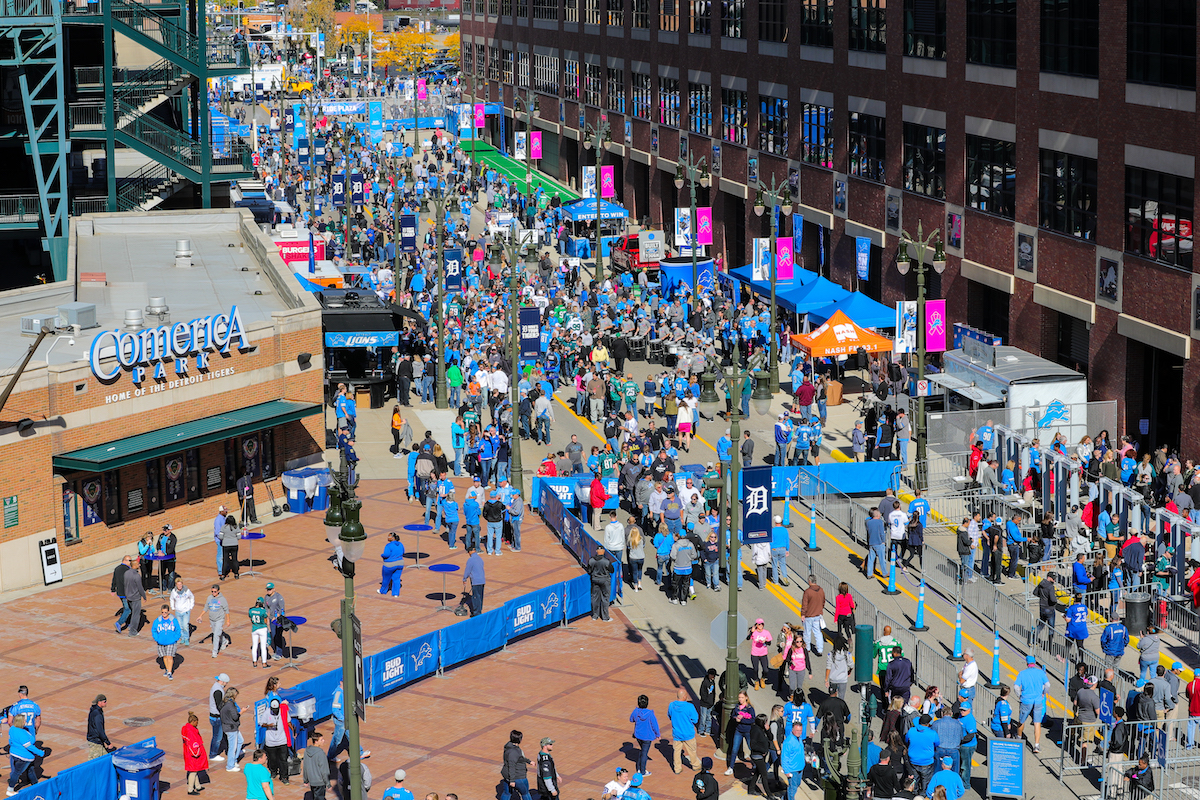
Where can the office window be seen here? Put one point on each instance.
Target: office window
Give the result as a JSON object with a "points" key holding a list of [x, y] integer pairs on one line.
{"points": [[991, 175], [735, 116], [925, 28], [701, 16], [772, 20], [545, 73], [992, 32], [641, 14], [591, 84], [545, 9], [480, 6], [506, 8], [867, 146], [1067, 194], [570, 10], [523, 70], [733, 13], [493, 63], [668, 15], [868, 25], [816, 134], [493, 7], [468, 58], [506, 63], [616, 89], [1161, 46], [642, 97], [1160, 210], [1071, 37], [571, 79], [668, 101], [816, 23], [773, 125], [925, 160], [522, 9], [479, 60], [591, 11], [616, 12], [700, 108]]}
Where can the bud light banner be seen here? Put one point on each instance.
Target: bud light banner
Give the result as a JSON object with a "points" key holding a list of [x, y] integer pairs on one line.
{"points": [[454, 269], [535, 610], [756, 504], [608, 182], [784, 264], [338, 190], [480, 115], [862, 256], [535, 148], [403, 663], [375, 121], [408, 233], [935, 326], [531, 332], [704, 225]]}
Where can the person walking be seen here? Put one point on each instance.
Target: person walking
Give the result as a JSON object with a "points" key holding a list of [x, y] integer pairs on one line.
{"points": [[760, 643], [393, 565], [514, 771], [600, 569], [231, 726], [645, 731], [195, 759], [97, 740], [315, 770], [1032, 683], [118, 591], [135, 594], [259, 617], [759, 741], [259, 785], [218, 525], [547, 780], [22, 750], [217, 608], [474, 579], [277, 737], [684, 717], [216, 700], [165, 632], [229, 549], [843, 611], [812, 608], [276, 610], [182, 603]]}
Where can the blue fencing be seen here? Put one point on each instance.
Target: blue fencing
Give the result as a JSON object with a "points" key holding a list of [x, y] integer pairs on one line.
{"points": [[92, 780], [564, 489], [474, 637]]}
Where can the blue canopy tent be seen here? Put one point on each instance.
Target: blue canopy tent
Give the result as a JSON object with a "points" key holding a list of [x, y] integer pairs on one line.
{"points": [[585, 210], [784, 290], [818, 294], [864, 312]]}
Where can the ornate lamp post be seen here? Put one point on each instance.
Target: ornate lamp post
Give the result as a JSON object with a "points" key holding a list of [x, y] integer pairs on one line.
{"points": [[781, 196], [531, 107], [695, 170], [597, 137]]}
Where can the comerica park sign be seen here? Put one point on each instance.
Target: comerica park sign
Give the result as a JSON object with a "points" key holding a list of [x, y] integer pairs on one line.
{"points": [[177, 344]]}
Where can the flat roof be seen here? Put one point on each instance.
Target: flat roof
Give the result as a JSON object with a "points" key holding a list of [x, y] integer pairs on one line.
{"points": [[1020, 366], [136, 254]]}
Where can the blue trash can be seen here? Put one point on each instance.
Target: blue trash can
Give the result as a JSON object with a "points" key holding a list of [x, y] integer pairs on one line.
{"points": [[302, 706], [138, 767]]}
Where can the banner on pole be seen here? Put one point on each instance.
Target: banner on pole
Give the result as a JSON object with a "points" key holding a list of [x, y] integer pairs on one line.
{"points": [[608, 182], [797, 234], [756, 504], [422, 90], [338, 190], [589, 181], [531, 332], [408, 233], [319, 152], [704, 225], [519, 145], [906, 327], [935, 326], [761, 270], [480, 115], [356, 189], [784, 260], [375, 120], [454, 269], [862, 256], [535, 145]]}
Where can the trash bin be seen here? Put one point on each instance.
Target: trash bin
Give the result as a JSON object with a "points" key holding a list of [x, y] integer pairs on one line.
{"points": [[377, 390], [302, 706], [307, 489], [1137, 612], [138, 767]]}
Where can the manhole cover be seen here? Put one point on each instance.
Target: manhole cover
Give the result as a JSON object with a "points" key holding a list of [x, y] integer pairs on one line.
{"points": [[138, 722]]}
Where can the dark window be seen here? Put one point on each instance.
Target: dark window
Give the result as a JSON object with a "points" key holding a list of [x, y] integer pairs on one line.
{"points": [[701, 16], [641, 14], [1160, 210], [668, 15], [523, 69], [616, 90], [1161, 46], [867, 146], [571, 10], [992, 32], [494, 63], [506, 64], [925, 160], [642, 101], [700, 108], [591, 84], [868, 25], [616, 12], [571, 80], [925, 28], [591, 12], [545, 9], [506, 8], [522, 8], [816, 24], [991, 175], [668, 101], [772, 20], [545, 73], [493, 7], [773, 125], [816, 129], [733, 15], [735, 116], [1067, 194], [1071, 37]]}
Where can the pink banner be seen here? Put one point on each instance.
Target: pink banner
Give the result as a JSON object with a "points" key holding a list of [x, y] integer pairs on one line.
{"points": [[935, 326], [784, 262], [535, 147], [704, 225], [608, 182], [479, 115], [422, 93]]}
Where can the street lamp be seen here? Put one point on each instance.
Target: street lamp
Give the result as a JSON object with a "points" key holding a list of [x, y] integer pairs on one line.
{"points": [[781, 196], [921, 243], [513, 250], [439, 209], [691, 168], [598, 137], [530, 110]]}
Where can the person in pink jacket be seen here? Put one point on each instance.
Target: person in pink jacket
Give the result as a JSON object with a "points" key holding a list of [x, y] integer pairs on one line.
{"points": [[843, 611], [793, 656], [760, 641]]}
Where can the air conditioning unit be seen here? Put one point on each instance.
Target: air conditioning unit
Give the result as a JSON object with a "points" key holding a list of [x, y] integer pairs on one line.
{"points": [[81, 314], [33, 324]]}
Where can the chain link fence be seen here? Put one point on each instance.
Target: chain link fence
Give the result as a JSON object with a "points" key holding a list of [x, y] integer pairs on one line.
{"points": [[951, 433]]}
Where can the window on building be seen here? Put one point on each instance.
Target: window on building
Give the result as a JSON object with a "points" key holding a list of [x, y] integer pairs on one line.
{"points": [[616, 12], [772, 20], [1161, 46], [616, 89], [493, 7], [925, 28], [642, 97], [545, 9], [700, 108], [545, 73], [868, 25], [701, 16], [468, 57], [493, 63], [641, 14], [571, 79], [816, 23], [570, 10], [733, 14], [1160, 209], [668, 15], [868, 141], [992, 175], [668, 101], [816, 133], [506, 8], [773, 125], [1071, 37], [992, 32], [522, 9], [591, 11], [735, 116], [925, 160], [523, 70], [1067, 193], [506, 64], [591, 84]]}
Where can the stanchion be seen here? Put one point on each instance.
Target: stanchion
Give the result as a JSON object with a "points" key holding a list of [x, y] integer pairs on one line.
{"points": [[958, 648], [919, 624], [995, 682], [891, 587], [812, 531]]}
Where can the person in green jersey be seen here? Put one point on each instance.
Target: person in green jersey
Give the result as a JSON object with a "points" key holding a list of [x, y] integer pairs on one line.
{"points": [[258, 633], [630, 390], [885, 651], [608, 463]]}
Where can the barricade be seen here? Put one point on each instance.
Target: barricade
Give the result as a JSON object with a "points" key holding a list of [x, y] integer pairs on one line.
{"points": [[826, 579], [798, 561], [935, 669], [1014, 621], [979, 597], [941, 571]]}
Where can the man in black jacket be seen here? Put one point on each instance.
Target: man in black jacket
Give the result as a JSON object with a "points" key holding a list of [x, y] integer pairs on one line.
{"points": [[118, 589], [547, 780], [600, 568], [885, 783], [704, 785], [167, 542], [245, 488], [97, 739], [404, 376], [708, 701]]}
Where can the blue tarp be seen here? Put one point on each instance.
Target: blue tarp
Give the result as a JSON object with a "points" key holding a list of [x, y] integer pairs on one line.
{"points": [[585, 210], [784, 290], [862, 311], [817, 294]]}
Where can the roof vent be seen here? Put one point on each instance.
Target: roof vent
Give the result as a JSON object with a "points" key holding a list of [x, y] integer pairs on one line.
{"points": [[159, 310], [133, 320], [183, 253]]}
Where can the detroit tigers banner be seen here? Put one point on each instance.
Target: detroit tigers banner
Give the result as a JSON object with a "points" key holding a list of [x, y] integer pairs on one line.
{"points": [[756, 504]]}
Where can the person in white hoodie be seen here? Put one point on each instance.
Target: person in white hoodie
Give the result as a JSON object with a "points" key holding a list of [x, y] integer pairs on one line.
{"points": [[182, 603]]}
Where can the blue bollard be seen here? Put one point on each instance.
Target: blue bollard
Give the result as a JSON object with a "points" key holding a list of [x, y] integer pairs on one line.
{"points": [[891, 587], [787, 512], [995, 682], [812, 533], [919, 624], [958, 648]]}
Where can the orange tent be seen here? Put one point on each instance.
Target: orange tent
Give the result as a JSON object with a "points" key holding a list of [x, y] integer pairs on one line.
{"points": [[839, 336]]}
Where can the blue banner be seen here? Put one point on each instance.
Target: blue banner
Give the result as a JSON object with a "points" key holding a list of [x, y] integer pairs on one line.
{"points": [[706, 275], [408, 233], [299, 127], [579, 596], [319, 152], [375, 121], [563, 492], [797, 236], [1006, 768], [454, 269], [302, 151], [289, 120], [572, 535], [364, 339], [849, 477], [862, 256], [402, 664], [342, 109], [756, 504], [535, 610], [531, 332], [338, 190], [473, 637], [356, 189]]}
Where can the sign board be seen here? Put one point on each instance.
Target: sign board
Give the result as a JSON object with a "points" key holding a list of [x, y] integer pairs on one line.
{"points": [[531, 336], [756, 504], [360, 686], [454, 269], [719, 627], [177, 343], [651, 245], [51, 565], [1006, 768], [11, 512]]}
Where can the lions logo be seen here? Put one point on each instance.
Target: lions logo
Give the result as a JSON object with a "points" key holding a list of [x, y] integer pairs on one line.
{"points": [[1056, 412]]}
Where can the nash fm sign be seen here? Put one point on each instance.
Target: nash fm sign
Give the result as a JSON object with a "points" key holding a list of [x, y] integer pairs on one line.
{"points": [[137, 351]]}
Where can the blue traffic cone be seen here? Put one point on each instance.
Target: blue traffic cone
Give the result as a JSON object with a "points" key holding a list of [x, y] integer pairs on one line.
{"points": [[891, 587], [812, 533], [958, 648], [995, 682], [919, 624]]}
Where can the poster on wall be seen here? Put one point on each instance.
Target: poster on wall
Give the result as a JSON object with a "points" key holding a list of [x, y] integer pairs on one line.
{"points": [[267, 458], [893, 212], [91, 495], [1025, 252], [839, 196], [954, 230], [175, 471], [1108, 279], [629, 133], [250, 454], [683, 146], [752, 171], [716, 159]]}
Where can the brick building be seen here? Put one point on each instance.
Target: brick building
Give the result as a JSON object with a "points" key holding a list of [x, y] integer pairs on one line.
{"points": [[1053, 140], [124, 442]]}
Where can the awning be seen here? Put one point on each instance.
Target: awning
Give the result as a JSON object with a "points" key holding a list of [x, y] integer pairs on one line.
{"points": [[362, 339], [839, 336], [862, 309], [784, 290], [967, 390], [585, 210], [145, 446]]}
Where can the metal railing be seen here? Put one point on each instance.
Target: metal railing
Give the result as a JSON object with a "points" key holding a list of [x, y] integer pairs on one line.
{"points": [[21, 208], [88, 205], [143, 184], [88, 114], [28, 8], [167, 32], [149, 84]]}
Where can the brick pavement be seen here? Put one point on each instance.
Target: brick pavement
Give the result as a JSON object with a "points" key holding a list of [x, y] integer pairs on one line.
{"points": [[577, 685]]}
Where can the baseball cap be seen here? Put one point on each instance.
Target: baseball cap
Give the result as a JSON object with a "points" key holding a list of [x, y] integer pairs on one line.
{"points": [[167, 527], [270, 586], [223, 677], [947, 761], [636, 780], [965, 705], [546, 740], [1141, 683], [778, 519], [401, 774], [706, 763], [1177, 665], [475, 479], [262, 599], [1031, 659]]}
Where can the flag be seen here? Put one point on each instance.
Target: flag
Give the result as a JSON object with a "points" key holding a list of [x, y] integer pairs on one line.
{"points": [[784, 264], [862, 255], [704, 225]]}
